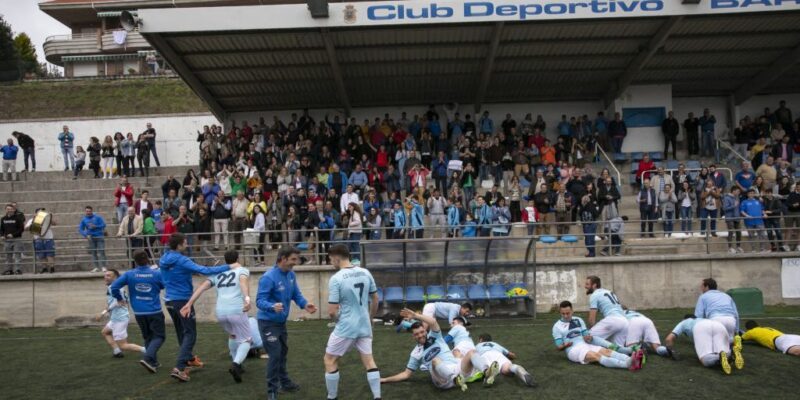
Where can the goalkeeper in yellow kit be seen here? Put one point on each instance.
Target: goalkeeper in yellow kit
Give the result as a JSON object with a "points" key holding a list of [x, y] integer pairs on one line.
{"points": [[772, 339]]}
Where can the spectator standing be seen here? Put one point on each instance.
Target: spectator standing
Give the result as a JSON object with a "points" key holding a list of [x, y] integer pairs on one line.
{"points": [[666, 202], [398, 221], [123, 197], [350, 196], [646, 165], [131, 228], [143, 203], [11, 227], [437, 205], [792, 219], [483, 217], [707, 124], [9, 160], [439, 171], [143, 154], [617, 130], [221, 212], [587, 213], [95, 150], [731, 203], [753, 212], [691, 126], [709, 208], [544, 205], [648, 204], [486, 124], [108, 156], [563, 205], [501, 218], [170, 184], [768, 173], [744, 178], [783, 116], [530, 216], [416, 216], [150, 136], [128, 147], [28, 149], [93, 228], [66, 142], [375, 223], [773, 209], [119, 138], [670, 128], [44, 247]]}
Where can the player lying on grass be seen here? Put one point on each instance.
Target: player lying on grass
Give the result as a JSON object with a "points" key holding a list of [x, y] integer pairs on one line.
{"points": [[642, 330], [711, 342], [432, 353], [115, 332], [233, 302], [571, 334], [772, 339], [439, 310], [493, 352]]}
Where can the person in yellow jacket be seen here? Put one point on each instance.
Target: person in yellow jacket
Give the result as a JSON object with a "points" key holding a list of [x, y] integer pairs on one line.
{"points": [[772, 339]]}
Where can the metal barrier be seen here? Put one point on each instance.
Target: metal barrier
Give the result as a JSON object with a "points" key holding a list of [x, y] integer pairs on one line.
{"points": [[610, 163], [727, 153]]}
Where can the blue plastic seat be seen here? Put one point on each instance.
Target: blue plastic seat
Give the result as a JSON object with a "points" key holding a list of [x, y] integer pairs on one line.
{"points": [[415, 294], [302, 246], [456, 292], [497, 292], [693, 164], [656, 155], [380, 295], [394, 294], [477, 292], [548, 239], [620, 157], [569, 239], [436, 291], [658, 164], [672, 164], [634, 167], [637, 156]]}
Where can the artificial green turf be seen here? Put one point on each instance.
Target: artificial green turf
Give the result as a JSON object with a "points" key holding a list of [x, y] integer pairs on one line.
{"points": [[77, 364]]}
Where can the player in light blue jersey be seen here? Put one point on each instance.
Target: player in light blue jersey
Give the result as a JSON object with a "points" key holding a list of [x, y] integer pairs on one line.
{"points": [[614, 325], [352, 302], [458, 336], [494, 352], [446, 310], [717, 305], [115, 332], [233, 303], [433, 354], [571, 334], [711, 341], [642, 330]]}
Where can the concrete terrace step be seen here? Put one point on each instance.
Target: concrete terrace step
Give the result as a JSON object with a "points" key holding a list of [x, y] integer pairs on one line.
{"points": [[67, 193]]}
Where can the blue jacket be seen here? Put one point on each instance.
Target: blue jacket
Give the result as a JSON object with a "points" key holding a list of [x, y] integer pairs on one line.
{"points": [[97, 228], [469, 229], [276, 286], [66, 139], [707, 124], [730, 206], [453, 216], [177, 271], [417, 216], [486, 125], [358, 179], [484, 216], [144, 287], [399, 220], [339, 190], [439, 168], [9, 152], [755, 210]]}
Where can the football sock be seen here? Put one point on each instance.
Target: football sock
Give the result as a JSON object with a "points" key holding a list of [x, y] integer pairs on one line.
{"points": [[332, 383], [619, 356], [513, 369], [143, 349], [241, 352], [374, 379], [612, 362], [232, 346], [116, 350], [662, 351]]}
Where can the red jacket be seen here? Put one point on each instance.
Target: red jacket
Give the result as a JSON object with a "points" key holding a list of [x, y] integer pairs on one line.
{"points": [[127, 192], [645, 166], [138, 206], [169, 229], [526, 218]]}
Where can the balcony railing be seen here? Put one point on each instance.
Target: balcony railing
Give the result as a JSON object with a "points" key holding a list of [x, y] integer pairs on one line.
{"points": [[57, 46]]}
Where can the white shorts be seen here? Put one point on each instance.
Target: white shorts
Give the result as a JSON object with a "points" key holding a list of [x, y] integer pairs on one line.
{"points": [[444, 374], [464, 347], [237, 325], [429, 310], [577, 352], [785, 342], [729, 322], [641, 328], [338, 346], [494, 355], [119, 330], [710, 337], [613, 328]]}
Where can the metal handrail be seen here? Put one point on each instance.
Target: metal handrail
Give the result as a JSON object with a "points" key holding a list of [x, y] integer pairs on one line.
{"points": [[727, 146], [71, 36], [610, 164]]}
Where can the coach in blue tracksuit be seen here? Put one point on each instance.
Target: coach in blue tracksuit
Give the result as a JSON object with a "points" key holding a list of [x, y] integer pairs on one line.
{"points": [[177, 271], [277, 288], [144, 286]]}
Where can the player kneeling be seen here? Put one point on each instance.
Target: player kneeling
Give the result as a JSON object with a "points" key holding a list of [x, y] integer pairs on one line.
{"points": [[711, 342], [493, 352], [433, 354], [571, 334], [233, 302]]}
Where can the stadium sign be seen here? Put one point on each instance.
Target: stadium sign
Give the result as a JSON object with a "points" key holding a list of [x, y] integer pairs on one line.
{"points": [[381, 13]]}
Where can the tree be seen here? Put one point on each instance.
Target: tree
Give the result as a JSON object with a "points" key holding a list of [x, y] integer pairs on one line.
{"points": [[27, 54], [9, 61]]}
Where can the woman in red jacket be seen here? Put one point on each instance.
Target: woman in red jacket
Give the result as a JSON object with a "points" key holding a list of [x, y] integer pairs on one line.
{"points": [[644, 165], [123, 197]]}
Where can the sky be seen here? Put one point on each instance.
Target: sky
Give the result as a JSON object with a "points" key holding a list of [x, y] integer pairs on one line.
{"points": [[25, 16]]}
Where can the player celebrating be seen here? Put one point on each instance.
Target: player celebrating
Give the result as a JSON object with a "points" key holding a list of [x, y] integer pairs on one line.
{"points": [[116, 330], [352, 302], [720, 307], [614, 325], [445, 310], [459, 337], [571, 334], [433, 354], [493, 352], [177, 271], [642, 330], [711, 342], [144, 285], [233, 302], [772, 339]]}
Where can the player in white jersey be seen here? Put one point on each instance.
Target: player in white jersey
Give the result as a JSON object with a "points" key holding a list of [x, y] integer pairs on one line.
{"points": [[459, 337], [642, 330], [233, 303], [433, 353], [571, 334], [446, 310], [493, 352], [711, 342], [352, 302], [614, 325], [115, 332]]}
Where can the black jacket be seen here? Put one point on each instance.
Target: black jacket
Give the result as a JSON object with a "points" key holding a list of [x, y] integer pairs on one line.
{"points": [[13, 225]]}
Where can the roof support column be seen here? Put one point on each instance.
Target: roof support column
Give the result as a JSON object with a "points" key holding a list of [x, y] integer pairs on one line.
{"points": [[645, 55], [337, 71], [783, 63], [177, 63], [488, 66]]}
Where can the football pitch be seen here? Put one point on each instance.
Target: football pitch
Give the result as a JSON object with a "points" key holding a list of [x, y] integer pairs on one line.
{"points": [[77, 364]]}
